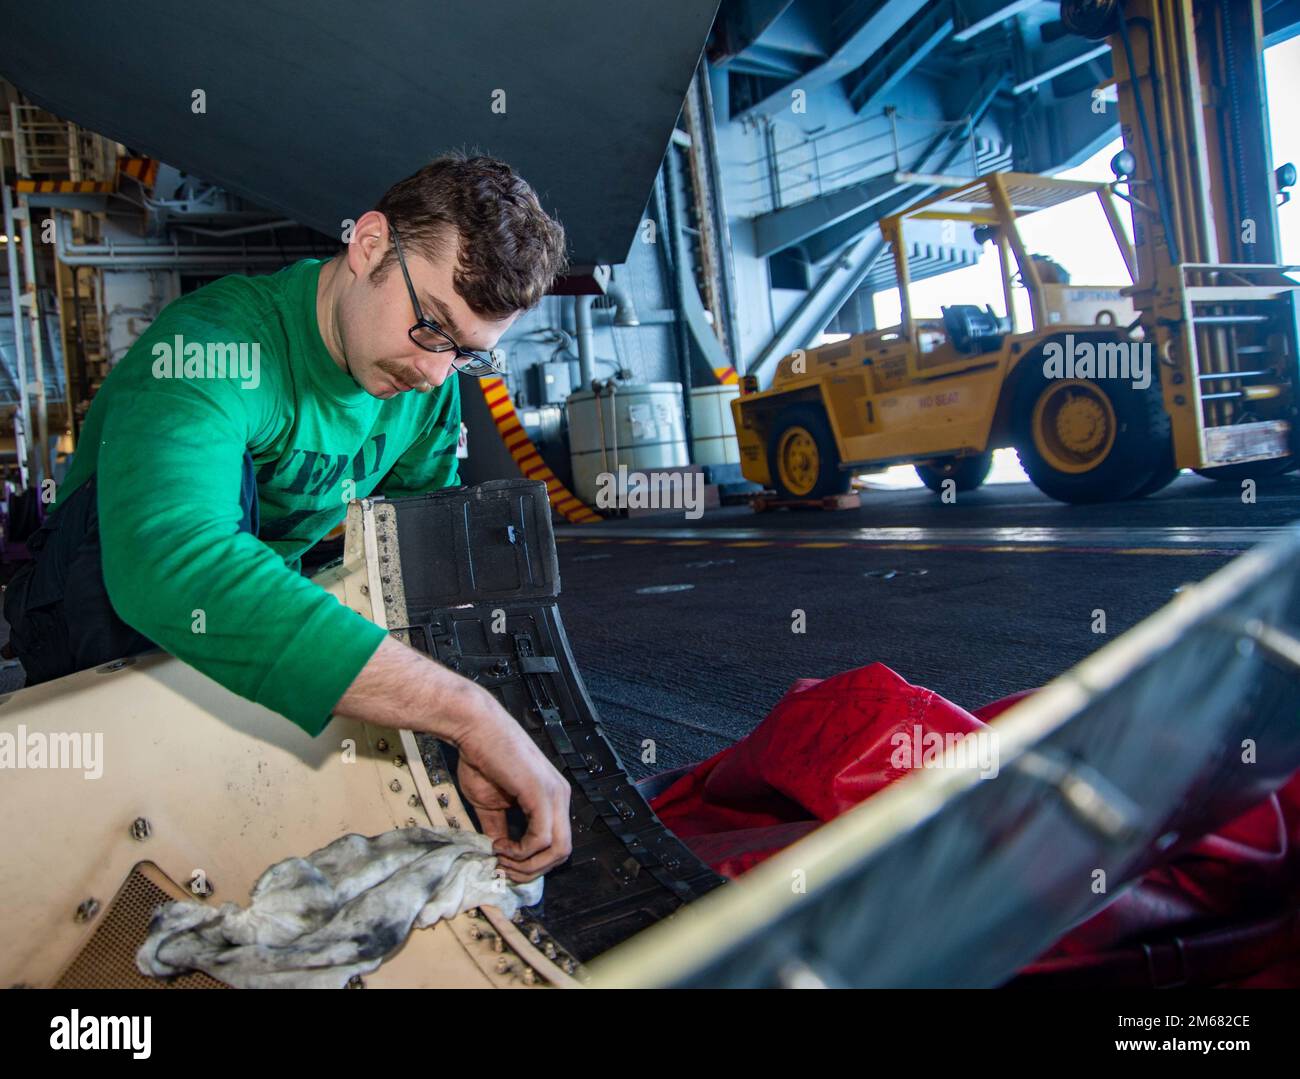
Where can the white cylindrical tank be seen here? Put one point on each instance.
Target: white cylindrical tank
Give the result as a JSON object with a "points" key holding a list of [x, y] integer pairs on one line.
{"points": [[713, 426], [643, 429]]}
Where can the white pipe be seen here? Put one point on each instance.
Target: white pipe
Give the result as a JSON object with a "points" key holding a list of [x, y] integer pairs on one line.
{"points": [[582, 322], [40, 458], [23, 419], [166, 256]]}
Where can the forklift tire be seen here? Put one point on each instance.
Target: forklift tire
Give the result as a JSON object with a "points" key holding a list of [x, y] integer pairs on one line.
{"points": [[967, 473], [1249, 470], [1165, 474], [801, 455], [1161, 478], [1090, 440]]}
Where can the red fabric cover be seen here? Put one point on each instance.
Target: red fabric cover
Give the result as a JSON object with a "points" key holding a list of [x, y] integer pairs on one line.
{"points": [[824, 748], [829, 744]]}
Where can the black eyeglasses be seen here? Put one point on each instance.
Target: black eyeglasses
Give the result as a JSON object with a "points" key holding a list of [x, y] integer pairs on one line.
{"points": [[433, 338]]}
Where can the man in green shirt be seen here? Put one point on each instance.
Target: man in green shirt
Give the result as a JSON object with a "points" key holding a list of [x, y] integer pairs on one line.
{"points": [[230, 439]]}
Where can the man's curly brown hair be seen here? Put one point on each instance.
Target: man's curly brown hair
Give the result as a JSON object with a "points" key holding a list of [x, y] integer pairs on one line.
{"points": [[510, 251]]}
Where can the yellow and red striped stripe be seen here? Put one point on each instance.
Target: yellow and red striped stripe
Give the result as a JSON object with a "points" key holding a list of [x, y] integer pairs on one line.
{"points": [[144, 169], [526, 456], [64, 187], [726, 375]]}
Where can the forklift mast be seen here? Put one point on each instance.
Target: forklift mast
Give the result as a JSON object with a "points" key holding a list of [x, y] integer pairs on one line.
{"points": [[1211, 292]]}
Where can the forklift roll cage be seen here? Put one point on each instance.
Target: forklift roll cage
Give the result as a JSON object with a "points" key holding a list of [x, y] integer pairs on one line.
{"points": [[1000, 200]]}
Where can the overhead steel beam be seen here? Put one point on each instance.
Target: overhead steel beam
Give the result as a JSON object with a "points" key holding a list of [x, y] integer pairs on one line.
{"points": [[740, 26], [1082, 58], [830, 240], [867, 38], [1281, 21], [885, 71], [791, 224], [999, 14], [770, 63]]}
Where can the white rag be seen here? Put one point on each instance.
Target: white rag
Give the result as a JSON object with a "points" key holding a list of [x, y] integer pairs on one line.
{"points": [[315, 922]]}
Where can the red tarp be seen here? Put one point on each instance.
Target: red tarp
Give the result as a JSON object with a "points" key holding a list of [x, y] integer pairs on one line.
{"points": [[829, 744]]}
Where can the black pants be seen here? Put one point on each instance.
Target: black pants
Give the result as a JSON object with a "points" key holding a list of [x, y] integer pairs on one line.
{"points": [[60, 618]]}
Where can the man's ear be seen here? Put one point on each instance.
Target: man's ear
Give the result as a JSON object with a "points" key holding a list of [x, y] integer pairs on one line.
{"points": [[370, 239]]}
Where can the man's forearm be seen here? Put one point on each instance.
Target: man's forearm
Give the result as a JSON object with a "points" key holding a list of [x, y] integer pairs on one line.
{"points": [[400, 687]]}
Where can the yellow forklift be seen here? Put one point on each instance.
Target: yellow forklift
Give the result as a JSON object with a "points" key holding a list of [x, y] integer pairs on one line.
{"points": [[1115, 388]]}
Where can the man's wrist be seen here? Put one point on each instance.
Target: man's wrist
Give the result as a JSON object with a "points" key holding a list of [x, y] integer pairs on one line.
{"points": [[450, 704], [400, 687]]}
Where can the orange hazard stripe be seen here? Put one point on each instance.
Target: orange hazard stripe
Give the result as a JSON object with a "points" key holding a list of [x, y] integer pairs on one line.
{"points": [[63, 187], [726, 375], [143, 169], [526, 455]]}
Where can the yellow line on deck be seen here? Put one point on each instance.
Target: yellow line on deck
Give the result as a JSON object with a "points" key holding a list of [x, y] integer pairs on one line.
{"points": [[974, 548]]}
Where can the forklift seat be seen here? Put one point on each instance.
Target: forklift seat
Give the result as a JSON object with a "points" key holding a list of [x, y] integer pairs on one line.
{"points": [[971, 329]]}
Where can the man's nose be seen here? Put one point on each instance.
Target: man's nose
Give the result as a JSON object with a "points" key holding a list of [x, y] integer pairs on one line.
{"points": [[434, 367]]}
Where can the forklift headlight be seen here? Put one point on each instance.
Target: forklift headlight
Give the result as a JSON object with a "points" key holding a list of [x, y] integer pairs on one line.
{"points": [[1123, 164]]}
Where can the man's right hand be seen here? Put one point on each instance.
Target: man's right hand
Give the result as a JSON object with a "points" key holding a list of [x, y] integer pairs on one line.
{"points": [[500, 766]]}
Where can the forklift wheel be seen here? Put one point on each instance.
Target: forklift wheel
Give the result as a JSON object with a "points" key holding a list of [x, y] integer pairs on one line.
{"points": [[801, 455], [1090, 440], [1165, 473], [967, 473], [1161, 478]]}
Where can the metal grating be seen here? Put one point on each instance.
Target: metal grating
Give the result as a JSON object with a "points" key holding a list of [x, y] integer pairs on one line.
{"points": [[1025, 196], [108, 959]]}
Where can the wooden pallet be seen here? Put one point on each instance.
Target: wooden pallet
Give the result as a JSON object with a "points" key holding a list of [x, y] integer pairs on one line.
{"points": [[768, 500]]}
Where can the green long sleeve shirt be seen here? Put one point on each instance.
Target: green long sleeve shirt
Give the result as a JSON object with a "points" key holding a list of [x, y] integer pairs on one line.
{"points": [[240, 365]]}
